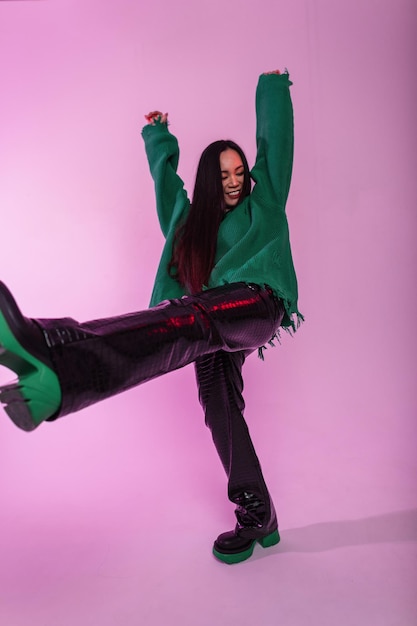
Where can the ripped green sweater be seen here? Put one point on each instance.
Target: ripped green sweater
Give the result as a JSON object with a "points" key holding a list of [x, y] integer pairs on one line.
{"points": [[253, 243]]}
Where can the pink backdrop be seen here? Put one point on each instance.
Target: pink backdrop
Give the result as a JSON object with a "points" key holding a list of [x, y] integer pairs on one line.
{"points": [[108, 515]]}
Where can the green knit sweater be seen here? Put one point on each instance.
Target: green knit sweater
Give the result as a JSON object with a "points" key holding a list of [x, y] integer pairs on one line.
{"points": [[253, 241]]}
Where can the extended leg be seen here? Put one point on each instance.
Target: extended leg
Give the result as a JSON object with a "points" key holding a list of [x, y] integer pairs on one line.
{"points": [[95, 360]]}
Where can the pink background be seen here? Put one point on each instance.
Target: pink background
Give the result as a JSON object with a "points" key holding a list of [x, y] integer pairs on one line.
{"points": [[108, 516]]}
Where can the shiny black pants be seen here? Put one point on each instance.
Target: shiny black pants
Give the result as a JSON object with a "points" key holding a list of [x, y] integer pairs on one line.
{"points": [[220, 383], [215, 329]]}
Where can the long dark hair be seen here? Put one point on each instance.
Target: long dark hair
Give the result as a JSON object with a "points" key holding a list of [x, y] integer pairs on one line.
{"points": [[194, 245]]}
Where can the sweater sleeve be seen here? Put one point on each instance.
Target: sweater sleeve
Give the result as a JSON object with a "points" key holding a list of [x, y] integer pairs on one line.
{"points": [[274, 140], [163, 155]]}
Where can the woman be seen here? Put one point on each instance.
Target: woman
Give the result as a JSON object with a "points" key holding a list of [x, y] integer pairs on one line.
{"points": [[224, 287]]}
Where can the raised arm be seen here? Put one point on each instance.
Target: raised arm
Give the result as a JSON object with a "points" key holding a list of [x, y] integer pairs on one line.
{"points": [[163, 155], [274, 139]]}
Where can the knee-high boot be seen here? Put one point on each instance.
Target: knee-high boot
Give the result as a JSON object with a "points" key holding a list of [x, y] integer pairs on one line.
{"points": [[98, 359]]}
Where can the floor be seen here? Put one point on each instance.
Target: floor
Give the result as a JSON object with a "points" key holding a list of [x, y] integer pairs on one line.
{"points": [[98, 529]]}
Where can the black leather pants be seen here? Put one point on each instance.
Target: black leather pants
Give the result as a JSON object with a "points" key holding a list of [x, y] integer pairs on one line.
{"points": [[100, 358], [220, 383]]}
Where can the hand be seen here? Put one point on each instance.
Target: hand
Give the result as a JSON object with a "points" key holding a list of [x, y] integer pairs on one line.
{"points": [[155, 116], [273, 72]]}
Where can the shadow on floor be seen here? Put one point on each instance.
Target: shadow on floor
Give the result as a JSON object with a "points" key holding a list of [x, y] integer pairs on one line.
{"points": [[388, 528], [400, 526]]}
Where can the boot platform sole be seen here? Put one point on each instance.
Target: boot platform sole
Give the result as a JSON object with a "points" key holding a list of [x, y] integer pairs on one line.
{"points": [[237, 557]]}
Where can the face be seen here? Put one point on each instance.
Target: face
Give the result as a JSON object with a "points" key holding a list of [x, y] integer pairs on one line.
{"points": [[233, 175]]}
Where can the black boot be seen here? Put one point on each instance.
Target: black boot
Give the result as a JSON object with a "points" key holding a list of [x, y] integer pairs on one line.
{"points": [[256, 522]]}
